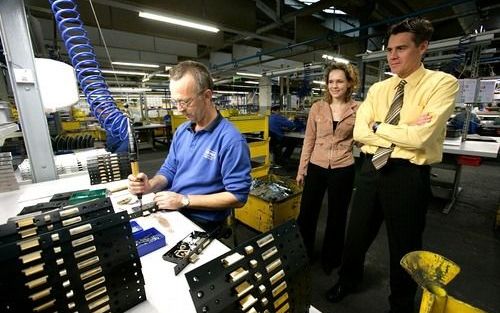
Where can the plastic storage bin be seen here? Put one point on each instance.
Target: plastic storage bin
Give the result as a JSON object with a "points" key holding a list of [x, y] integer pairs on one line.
{"points": [[135, 227], [148, 241], [263, 215], [469, 160]]}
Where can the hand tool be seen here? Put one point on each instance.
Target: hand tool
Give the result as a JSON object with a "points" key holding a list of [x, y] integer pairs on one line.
{"points": [[134, 155]]}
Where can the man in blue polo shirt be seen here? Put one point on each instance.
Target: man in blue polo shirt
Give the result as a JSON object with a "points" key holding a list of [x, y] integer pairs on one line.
{"points": [[281, 146], [207, 170]]}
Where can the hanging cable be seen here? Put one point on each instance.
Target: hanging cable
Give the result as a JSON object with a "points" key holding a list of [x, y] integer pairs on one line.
{"points": [[105, 45], [87, 68]]}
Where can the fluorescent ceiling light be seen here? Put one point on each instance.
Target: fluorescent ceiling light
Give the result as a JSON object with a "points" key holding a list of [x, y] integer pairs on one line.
{"points": [[136, 64], [332, 10], [341, 60], [123, 72], [127, 98], [319, 89], [231, 92], [148, 77], [176, 21], [389, 73], [251, 82], [294, 70], [129, 90], [336, 59], [329, 10], [248, 74], [167, 68], [319, 82], [241, 86], [222, 81]]}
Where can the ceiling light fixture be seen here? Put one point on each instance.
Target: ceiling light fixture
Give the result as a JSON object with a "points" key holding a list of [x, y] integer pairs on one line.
{"points": [[124, 72], [332, 10], [336, 59], [319, 82], [241, 86], [248, 74], [136, 64], [231, 92], [251, 82], [389, 73], [176, 21], [162, 75], [129, 90], [309, 67]]}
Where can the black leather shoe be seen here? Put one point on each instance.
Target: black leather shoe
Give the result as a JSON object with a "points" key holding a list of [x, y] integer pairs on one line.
{"points": [[338, 292]]}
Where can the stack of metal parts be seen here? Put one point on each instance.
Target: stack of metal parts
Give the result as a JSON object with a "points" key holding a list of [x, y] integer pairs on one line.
{"points": [[75, 259], [60, 200], [267, 274], [65, 164], [108, 167], [271, 189], [65, 143], [8, 181]]}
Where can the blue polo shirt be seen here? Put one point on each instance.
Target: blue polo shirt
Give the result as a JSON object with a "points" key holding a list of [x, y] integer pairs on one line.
{"points": [[208, 161]]}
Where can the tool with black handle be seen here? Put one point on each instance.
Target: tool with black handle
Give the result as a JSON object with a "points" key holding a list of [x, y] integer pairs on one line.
{"points": [[133, 154]]}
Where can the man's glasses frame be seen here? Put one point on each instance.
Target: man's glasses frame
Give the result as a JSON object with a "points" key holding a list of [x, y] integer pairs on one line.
{"points": [[186, 103]]}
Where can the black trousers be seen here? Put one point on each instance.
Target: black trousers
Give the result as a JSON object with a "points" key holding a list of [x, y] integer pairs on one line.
{"points": [[398, 194], [339, 182]]}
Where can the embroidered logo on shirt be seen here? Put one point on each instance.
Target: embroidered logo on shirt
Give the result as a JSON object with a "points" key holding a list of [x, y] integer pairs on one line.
{"points": [[209, 154]]}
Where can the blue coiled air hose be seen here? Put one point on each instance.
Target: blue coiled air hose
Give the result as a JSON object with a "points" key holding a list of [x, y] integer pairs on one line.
{"points": [[87, 68]]}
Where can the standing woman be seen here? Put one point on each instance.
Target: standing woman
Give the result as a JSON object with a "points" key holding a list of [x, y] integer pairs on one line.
{"points": [[327, 162]]}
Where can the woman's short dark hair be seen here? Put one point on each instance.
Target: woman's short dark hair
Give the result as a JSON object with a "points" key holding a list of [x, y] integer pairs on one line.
{"points": [[351, 74], [199, 71], [421, 29]]}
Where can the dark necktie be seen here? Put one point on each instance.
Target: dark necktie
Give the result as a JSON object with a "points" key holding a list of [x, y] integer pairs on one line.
{"points": [[382, 154]]}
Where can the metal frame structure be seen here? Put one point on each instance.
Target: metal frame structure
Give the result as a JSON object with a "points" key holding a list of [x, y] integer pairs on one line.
{"points": [[19, 55]]}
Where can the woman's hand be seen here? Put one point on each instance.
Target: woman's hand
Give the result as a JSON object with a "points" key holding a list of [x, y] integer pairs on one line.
{"points": [[300, 179]]}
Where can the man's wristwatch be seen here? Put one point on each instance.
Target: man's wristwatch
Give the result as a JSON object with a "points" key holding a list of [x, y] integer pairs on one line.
{"points": [[375, 126], [185, 201]]}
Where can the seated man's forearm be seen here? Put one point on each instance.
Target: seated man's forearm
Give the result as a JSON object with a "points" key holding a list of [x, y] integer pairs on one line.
{"points": [[216, 201], [158, 183]]}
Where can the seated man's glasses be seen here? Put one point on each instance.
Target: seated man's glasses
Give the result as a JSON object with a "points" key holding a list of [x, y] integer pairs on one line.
{"points": [[185, 103]]}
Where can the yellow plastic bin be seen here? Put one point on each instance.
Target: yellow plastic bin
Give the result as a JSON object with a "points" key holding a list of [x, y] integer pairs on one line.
{"points": [[263, 215]]}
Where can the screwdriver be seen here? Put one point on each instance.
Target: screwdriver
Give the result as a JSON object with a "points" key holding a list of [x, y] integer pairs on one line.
{"points": [[133, 155], [135, 171]]}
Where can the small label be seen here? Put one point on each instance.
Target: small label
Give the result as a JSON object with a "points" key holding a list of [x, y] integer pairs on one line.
{"points": [[209, 154], [24, 76]]}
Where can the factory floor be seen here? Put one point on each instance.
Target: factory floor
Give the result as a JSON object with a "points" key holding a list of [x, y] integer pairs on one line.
{"points": [[466, 236]]}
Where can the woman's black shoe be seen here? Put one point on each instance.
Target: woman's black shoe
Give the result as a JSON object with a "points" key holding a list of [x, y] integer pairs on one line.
{"points": [[338, 292]]}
